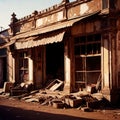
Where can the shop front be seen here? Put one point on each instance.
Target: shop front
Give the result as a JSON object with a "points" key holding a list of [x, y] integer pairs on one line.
{"points": [[79, 47]]}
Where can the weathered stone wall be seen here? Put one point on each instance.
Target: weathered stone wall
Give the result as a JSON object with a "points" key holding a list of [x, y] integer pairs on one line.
{"points": [[86, 27], [84, 8], [57, 13]]}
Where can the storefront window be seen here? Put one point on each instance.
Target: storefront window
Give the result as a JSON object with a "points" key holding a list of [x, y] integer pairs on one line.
{"points": [[87, 58], [91, 45]]}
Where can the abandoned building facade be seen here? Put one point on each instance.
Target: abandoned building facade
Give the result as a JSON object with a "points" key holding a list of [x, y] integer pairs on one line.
{"points": [[77, 42], [3, 58]]}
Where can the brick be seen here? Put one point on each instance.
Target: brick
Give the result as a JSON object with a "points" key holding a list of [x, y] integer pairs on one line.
{"points": [[73, 102], [93, 104], [86, 109], [57, 104]]}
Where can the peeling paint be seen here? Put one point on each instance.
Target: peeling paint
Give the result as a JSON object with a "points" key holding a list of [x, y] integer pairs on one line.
{"points": [[83, 8], [60, 16], [39, 22]]}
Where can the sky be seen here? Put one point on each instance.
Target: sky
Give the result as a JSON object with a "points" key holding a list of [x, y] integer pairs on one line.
{"points": [[22, 8]]}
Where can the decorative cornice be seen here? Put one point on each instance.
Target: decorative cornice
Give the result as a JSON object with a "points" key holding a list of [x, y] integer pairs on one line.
{"points": [[54, 8]]}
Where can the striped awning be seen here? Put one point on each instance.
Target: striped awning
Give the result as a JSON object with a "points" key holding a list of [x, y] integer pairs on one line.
{"points": [[48, 39]]}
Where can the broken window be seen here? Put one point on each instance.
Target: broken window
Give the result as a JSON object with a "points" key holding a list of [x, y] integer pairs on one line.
{"points": [[88, 45], [23, 67], [87, 58]]}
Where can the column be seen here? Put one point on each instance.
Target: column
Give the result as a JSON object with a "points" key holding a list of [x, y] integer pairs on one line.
{"points": [[10, 67], [110, 88], [67, 66], [30, 66], [30, 70]]}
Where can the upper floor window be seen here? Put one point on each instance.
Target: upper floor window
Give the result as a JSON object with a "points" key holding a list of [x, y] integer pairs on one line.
{"points": [[88, 45]]}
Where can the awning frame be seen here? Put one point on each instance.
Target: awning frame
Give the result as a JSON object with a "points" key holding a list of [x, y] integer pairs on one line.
{"points": [[54, 38]]}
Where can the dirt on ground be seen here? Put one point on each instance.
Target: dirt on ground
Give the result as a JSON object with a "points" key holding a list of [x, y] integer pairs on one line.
{"points": [[15, 109]]}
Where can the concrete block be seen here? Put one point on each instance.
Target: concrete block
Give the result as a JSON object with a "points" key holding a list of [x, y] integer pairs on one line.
{"points": [[93, 104], [86, 109], [58, 104], [73, 102], [17, 92], [7, 86]]}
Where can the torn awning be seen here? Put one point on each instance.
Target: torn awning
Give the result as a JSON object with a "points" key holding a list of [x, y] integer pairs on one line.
{"points": [[49, 39]]}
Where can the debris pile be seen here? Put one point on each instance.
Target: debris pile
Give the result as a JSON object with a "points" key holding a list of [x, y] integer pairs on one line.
{"points": [[57, 99], [53, 96], [21, 89]]}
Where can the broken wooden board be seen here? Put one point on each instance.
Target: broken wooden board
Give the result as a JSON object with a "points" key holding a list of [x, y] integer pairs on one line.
{"points": [[54, 85]]}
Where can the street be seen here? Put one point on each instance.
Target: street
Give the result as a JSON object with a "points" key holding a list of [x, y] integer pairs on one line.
{"points": [[13, 109]]}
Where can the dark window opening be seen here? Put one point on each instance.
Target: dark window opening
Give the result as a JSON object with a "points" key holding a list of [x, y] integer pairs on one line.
{"points": [[88, 45]]}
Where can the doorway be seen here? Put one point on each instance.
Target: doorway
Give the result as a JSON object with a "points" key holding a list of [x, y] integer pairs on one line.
{"points": [[55, 61]]}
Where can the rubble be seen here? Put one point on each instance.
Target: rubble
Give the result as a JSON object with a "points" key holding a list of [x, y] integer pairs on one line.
{"points": [[32, 100], [72, 101], [59, 100], [90, 101], [52, 95], [21, 89], [57, 104], [7, 86], [55, 84], [86, 109]]}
